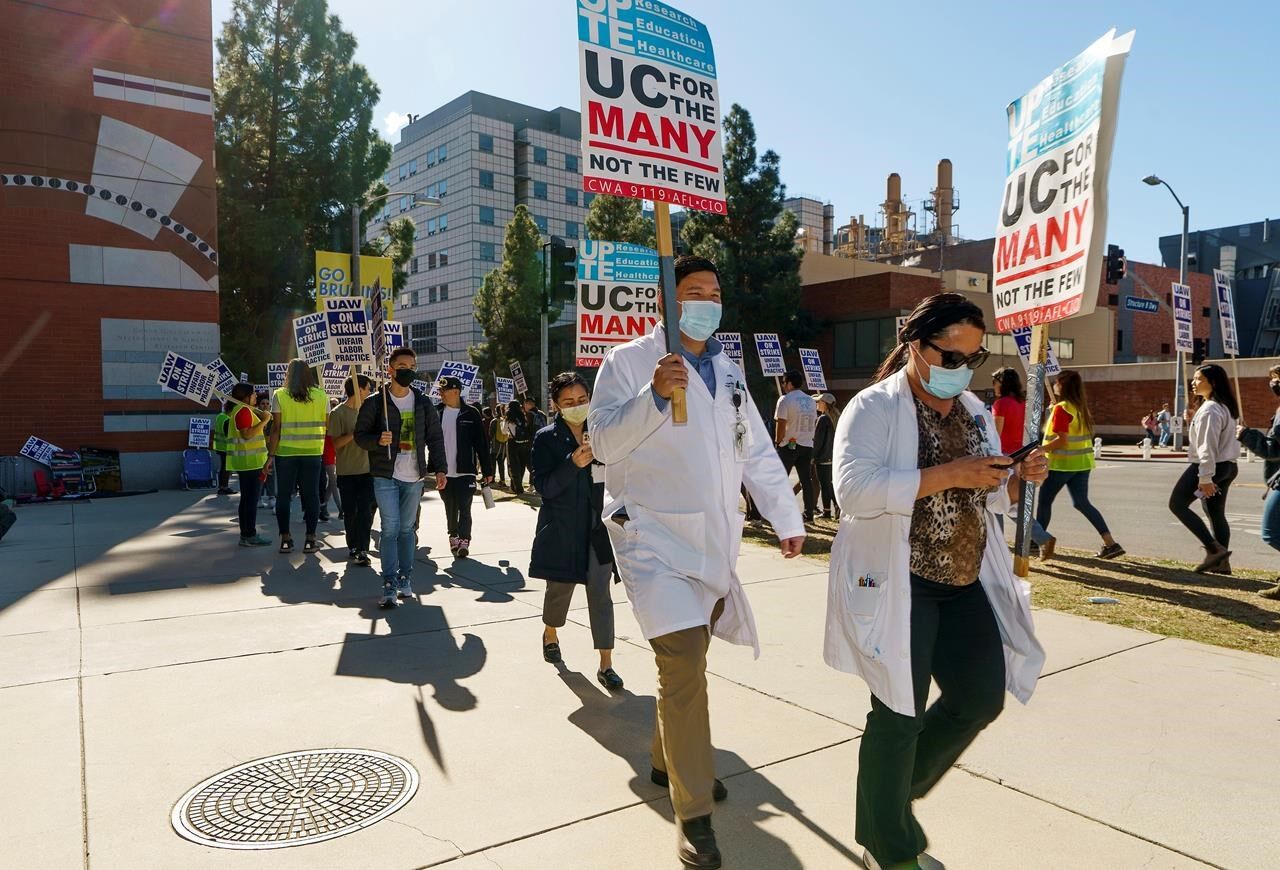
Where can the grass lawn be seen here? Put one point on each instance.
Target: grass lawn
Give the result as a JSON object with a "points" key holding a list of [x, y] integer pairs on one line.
{"points": [[1156, 595]]}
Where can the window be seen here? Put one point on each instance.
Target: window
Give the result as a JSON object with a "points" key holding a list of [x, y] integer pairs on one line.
{"points": [[444, 292], [486, 215], [486, 179], [571, 162], [444, 153], [444, 222], [413, 266], [587, 198], [539, 155], [422, 337], [444, 187], [541, 223], [539, 190], [408, 299], [431, 261], [1064, 348], [444, 257], [571, 229], [432, 190], [862, 344], [431, 226], [1205, 312], [413, 166], [1113, 300], [431, 294], [403, 171], [1119, 341], [432, 157], [488, 252], [571, 195], [486, 143], [1164, 348]]}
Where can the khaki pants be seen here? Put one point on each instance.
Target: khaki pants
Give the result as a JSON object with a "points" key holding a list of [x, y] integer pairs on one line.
{"points": [[682, 732]]}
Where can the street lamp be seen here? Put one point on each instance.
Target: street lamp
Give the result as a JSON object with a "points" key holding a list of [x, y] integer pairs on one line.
{"points": [[356, 210], [1180, 388]]}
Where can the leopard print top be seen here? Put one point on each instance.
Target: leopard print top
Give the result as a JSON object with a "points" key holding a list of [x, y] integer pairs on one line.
{"points": [[949, 528]]}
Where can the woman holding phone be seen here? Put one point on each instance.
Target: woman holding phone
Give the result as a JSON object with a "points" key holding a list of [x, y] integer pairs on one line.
{"points": [[1212, 450]]}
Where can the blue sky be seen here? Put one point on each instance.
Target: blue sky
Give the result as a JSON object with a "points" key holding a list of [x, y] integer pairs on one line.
{"points": [[847, 92]]}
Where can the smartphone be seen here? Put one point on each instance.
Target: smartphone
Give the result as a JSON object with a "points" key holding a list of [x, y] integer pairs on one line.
{"points": [[1023, 452]]}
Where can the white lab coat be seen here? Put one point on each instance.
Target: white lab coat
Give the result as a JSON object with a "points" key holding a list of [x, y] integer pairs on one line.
{"points": [[876, 479], [680, 486]]}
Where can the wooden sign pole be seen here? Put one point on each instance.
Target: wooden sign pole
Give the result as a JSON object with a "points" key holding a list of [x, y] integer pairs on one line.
{"points": [[1032, 432], [671, 318]]}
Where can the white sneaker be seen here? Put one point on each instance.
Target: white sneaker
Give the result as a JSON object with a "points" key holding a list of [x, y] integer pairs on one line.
{"points": [[869, 862]]}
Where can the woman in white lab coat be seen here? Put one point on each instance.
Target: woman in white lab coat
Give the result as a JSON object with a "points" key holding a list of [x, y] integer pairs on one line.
{"points": [[925, 473]]}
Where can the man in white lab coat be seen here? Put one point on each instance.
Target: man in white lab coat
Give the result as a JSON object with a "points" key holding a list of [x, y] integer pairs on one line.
{"points": [[672, 505]]}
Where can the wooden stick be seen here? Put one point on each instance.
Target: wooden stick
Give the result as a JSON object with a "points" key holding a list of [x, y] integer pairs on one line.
{"points": [[1036, 381], [666, 255], [1235, 371]]}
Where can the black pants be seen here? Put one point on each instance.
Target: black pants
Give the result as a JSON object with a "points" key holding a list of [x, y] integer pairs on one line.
{"points": [[250, 491], [518, 453], [801, 459], [301, 473], [356, 492], [827, 486], [224, 473], [457, 496], [1184, 495], [1077, 484], [954, 640]]}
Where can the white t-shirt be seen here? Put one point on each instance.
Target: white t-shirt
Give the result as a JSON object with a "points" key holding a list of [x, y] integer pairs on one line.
{"points": [[407, 459], [800, 412], [449, 420]]}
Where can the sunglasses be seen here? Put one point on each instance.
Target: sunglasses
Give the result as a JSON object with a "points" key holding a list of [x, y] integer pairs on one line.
{"points": [[953, 359]]}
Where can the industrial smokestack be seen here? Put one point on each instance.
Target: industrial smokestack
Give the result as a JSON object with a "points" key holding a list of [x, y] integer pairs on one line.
{"points": [[894, 194], [943, 201]]}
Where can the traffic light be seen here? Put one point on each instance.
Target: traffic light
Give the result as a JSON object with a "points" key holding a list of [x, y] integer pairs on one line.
{"points": [[1116, 265], [564, 270]]}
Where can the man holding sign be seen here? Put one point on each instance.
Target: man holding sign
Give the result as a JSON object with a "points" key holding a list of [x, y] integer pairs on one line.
{"points": [[672, 507]]}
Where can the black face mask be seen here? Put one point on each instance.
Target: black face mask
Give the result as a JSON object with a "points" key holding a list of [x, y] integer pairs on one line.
{"points": [[406, 377], [1275, 387]]}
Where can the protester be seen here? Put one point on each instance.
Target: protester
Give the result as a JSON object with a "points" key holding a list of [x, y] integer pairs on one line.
{"points": [[1165, 421], [1149, 428], [796, 417], [400, 430], [466, 450], [329, 479], [247, 456], [1068, 439], [675, 527], [921, 584], [1267, 445], [1212, 451], [355, 484], [531, 409], [571, 545], [498, 443], [823, 442], [297, 443], [221, 439], [521, 427], [268, 476], [1009, 409]]}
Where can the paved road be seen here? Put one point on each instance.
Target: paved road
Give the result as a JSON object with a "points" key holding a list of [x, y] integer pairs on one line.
{"points": [[1134, 496]]}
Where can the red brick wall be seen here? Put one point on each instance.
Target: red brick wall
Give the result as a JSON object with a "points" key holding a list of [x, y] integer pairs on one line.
{"points": [[50, 338], [1121, 397]]}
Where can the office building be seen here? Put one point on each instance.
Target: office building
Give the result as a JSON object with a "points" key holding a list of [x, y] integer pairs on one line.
{"points": [[482, 156], [816, 220]]}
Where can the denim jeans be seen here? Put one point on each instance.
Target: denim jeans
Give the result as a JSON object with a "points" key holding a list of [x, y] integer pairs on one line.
{"points": [[398, 505], [1077, 484], [1271, 520]]}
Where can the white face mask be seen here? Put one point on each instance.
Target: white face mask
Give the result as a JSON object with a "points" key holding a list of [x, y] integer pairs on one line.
{"points": [[576, 415]]}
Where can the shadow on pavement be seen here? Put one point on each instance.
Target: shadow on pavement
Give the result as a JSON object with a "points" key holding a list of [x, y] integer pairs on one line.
{"points": [[623, 724]]}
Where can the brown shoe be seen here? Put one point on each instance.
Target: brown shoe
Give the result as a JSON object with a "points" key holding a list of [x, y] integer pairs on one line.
{"points": [[696, 844], [1223, 567], [1273, 593], [1046, 549], [1212, 560]]}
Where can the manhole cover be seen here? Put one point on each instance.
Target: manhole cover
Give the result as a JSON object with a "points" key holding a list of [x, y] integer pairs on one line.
{"points": [[295, 798]]}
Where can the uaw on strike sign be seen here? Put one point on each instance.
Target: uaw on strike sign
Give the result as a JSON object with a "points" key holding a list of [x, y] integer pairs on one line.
{"points": [[650, 106], [1049, 242], [617, 297]]}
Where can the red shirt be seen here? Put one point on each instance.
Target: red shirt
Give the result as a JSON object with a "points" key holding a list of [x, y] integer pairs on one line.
{"points": [[1061, 420], [245, 420], [1014, 414], [330, 455]]}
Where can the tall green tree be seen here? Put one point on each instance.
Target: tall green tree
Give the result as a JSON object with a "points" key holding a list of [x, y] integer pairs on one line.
{"points": [[508, 304], [619, 219], [753, 245], [295, 147]]}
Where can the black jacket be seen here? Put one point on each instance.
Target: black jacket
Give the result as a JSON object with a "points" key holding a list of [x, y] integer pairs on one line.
{"points": [[473, 441], [428, 437], [569, 520], [526, 426], [824, 440], [1266, 445]]}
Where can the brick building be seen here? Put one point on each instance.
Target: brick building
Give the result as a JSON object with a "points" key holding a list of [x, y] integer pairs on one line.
{"points": [[108, 242]]}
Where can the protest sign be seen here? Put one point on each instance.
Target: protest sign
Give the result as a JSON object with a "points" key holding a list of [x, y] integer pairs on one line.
{"points": [[186, 377], [811, 362], [394, 330], [506, 390], [333, 278], [475, 394], [650, 105], [770, 351], [1023, 338], [275, 375], [902, 321], [1049, 240], [348, 324], [333, 378], [617, 297], [199, 431], [1226, 313], [732, 344], [517, 374], [39, 450], [244, 377], [223, 378], [378, 327], [1183, 341], [311, 332]]}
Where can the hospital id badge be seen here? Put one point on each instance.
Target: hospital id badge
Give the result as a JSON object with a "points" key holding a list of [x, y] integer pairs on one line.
{"points": [[597, 473], [741, 441]]}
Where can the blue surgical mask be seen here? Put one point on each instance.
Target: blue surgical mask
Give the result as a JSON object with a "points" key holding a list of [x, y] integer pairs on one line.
{"points": [[699, 318], [948, 383]]}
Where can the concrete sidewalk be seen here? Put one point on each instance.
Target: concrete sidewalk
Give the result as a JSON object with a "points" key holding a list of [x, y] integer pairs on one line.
{"points": [[141, 652]]}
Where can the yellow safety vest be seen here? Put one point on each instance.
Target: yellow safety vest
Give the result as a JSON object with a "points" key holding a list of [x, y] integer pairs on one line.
{"points": [[1078, 454], [245, 454], [220, 439], [301, 423]]}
